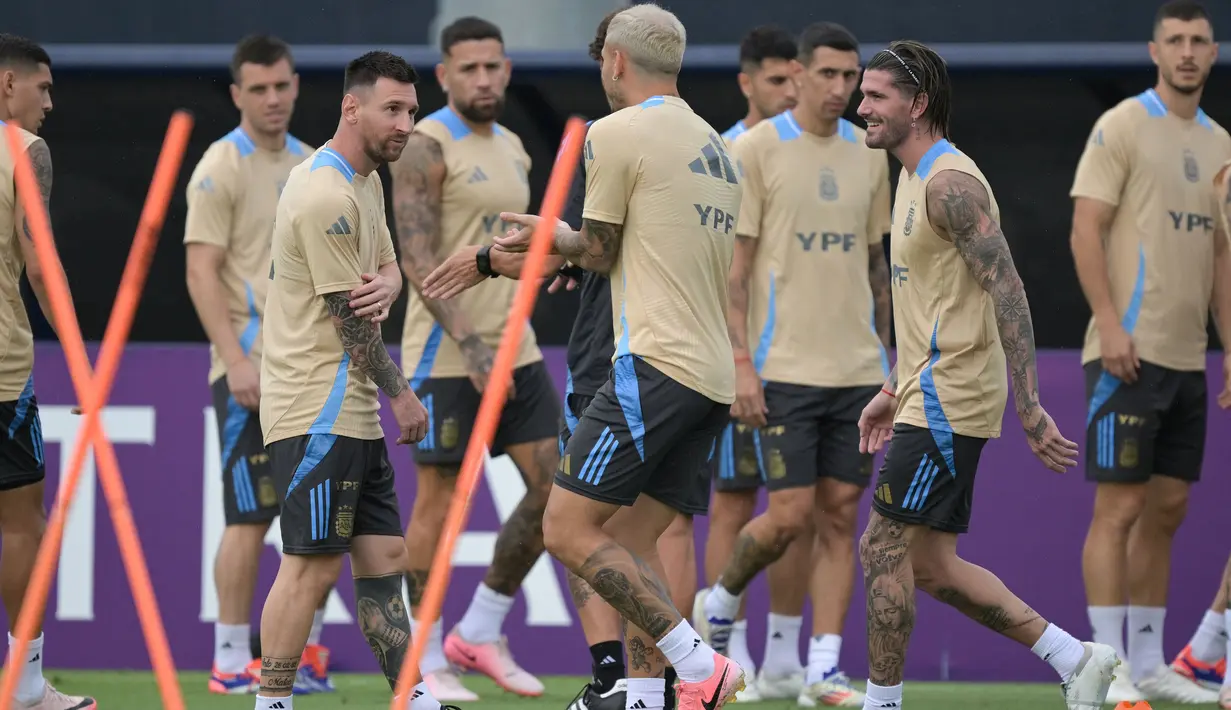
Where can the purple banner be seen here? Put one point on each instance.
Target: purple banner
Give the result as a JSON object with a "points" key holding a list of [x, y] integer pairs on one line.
{"points": [[1028, 527]]}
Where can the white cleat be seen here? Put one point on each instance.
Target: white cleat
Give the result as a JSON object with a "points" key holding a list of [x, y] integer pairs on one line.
{"points": [[446, 686], [780, 686], [834, 691], [714, 631], [1167, 685], [750, 694], [1087, 689], [1122, 689]]}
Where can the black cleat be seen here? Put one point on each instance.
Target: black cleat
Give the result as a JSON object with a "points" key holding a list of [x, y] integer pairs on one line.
{"points": [[591, 699]]}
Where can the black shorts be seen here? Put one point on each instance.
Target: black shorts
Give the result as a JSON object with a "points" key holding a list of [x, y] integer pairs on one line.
{"points": [[21, 442], [574, 406], [248, 490], [644, 433], [736, 466], [452, 405], [1154, 426], [813, 433], [928, 478], [333, 488]]}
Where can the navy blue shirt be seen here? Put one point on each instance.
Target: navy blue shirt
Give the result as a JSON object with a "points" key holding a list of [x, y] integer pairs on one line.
{"points": [[591, 345]]}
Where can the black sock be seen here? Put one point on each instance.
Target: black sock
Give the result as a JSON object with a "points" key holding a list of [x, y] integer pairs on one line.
{"points": [[669, 693], [608, 664]]}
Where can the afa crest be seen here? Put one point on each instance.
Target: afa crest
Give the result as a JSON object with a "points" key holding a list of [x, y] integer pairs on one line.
{"points": [[747, 465], [1128, 454], [448, 433], [829, 185], [777, 465], [265, 492], [1191, 171], [910, 220], [344, 523]]}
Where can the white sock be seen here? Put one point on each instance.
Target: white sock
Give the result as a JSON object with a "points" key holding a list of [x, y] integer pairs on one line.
{"points": [[782, 644], [645, 694], [434, 652], [1145, 640], [721, 604], [692, 658], [264, 703], [30, 686], [422, 699], [232, 647], [823, 654], [485, 616], [1209, 644], [737, 648], [1060, 649], [1107, 623], [318, 625], [882, 697]]}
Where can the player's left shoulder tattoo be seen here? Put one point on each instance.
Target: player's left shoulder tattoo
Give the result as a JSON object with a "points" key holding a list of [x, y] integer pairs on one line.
{"points": [[40, 159]]}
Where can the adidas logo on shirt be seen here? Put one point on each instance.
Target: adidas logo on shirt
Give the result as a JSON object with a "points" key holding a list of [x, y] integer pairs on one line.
{"points": [[478, 175], [340, 228]]}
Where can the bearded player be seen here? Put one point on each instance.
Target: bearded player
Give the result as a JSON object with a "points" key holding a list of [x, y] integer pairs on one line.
{"points": [[232, 198], [25, 100], [961, 317], [460, 170]]}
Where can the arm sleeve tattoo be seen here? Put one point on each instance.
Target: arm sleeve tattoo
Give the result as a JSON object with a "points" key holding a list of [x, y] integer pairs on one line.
{"points": [[959, 206], [361, 340], [40, 159], [594, 248]]}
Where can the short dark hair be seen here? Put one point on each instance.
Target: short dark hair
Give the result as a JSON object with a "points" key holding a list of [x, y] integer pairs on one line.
{"points": [[21, 51], [1183, 10], [825, 34], [916, 69], [466, 29], [765, 42], [365, 70], [600, 36], [265, 50]]}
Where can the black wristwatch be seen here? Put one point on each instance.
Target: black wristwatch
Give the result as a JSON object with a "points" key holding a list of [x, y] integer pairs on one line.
{"points": [[572, 272], [483, 262]]}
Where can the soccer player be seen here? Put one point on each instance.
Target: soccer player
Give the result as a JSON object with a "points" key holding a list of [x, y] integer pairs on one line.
{"points": [[819, 369], [662, 197], [232, 197], [766, 79], [961, 316], [1151, 262], [25, 99], [460, 170], [323, 365]]}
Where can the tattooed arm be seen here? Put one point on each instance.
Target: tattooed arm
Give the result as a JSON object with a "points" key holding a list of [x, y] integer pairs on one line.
{"points": [[40, 159], [594, 248], [959, 208], [418, 185], [361, 340], [742, 258], [878, 277]]}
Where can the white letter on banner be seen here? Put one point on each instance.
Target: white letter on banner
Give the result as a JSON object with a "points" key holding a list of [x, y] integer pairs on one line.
{"points": [[214, 522], [123, 425], [545, 604]]}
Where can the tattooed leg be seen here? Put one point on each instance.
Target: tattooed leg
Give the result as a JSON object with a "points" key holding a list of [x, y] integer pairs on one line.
{"points": [[766, 537], [630, 585], [889, 582], [599, 621], [286, 618], [384, 621], [520, 542]]}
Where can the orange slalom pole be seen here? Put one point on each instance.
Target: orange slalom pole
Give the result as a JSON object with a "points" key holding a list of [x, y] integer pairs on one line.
{"points": [[93, 393], [492, 404]]}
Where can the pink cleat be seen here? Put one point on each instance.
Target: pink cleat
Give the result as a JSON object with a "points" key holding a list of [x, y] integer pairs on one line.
{"points": [[713, 692], [55, 700], [1206, 675], [494, 661], [245, 682]]}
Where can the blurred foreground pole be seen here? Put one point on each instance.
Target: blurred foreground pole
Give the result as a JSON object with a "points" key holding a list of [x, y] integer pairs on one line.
{"points": [[532, 24]]}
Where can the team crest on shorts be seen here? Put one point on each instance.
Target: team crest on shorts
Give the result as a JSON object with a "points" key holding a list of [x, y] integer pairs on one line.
{"points": [[1128, 454], [448, 433], [344, 524], [1191, 171], [395, 608], [265, 492], [829, 185], [777, 465], [747, 465], [910, 220]]}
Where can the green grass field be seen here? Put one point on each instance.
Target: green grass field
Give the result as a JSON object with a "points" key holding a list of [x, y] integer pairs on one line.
{"points": [[137, 691]]}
